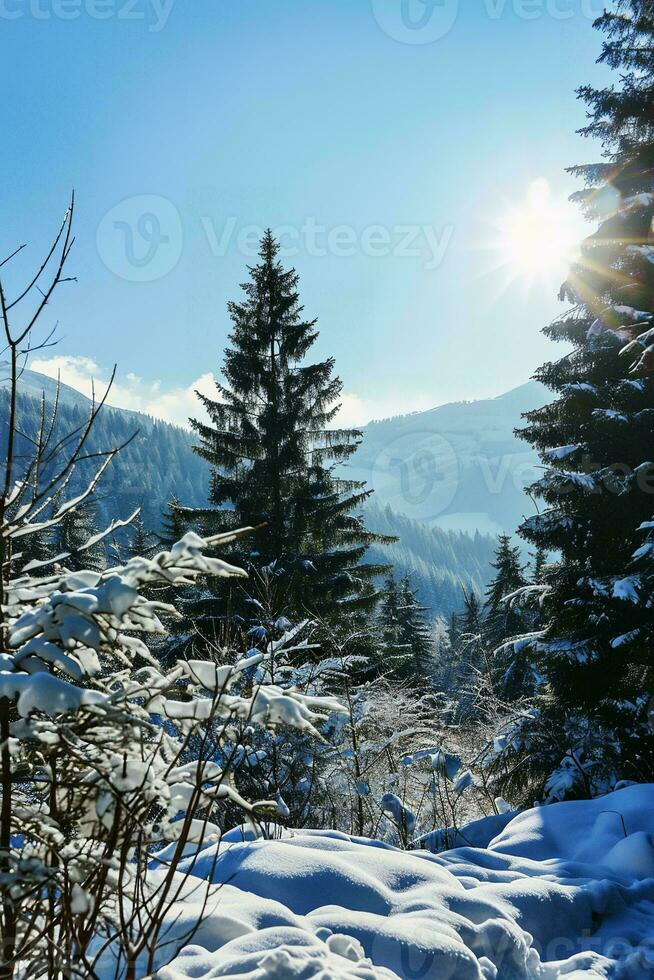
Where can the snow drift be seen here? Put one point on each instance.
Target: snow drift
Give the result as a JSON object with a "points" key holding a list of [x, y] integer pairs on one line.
{"points": [[565, 890]]}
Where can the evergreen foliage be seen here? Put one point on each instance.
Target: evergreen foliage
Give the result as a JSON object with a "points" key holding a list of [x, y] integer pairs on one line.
{"points": [[395, 636], [594, 652], [273, 453], [416, 633], [502, 618], [75, 529], [142, 541]]}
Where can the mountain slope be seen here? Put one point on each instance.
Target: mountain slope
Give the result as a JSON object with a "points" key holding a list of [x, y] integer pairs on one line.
{"points": [[439, 563], [436, 474], [458, 466], [158, 463]]}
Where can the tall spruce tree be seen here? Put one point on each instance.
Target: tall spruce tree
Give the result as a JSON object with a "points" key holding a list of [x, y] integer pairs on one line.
{"points": [[474, 651], [502, 618], [72, 536], [174, 522], [406, 637], [595, 652], [512, 675], [417, 633], [276, 459], [142, 542], [472, 616], [394, 647], [539, 561]]}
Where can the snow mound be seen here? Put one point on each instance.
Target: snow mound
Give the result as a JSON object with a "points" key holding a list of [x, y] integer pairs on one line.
{"points": [[565, 890]]}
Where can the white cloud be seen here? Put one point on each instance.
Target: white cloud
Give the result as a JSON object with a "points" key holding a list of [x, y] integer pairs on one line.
{"points": [[176, 404], [357, 410]]}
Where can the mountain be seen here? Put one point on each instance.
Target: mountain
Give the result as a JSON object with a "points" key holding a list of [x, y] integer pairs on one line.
{"points": [[158, 463], [439, 563], [446, 481], [458, 467]]}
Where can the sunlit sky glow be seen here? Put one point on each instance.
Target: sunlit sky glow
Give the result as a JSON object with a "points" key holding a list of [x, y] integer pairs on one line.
{"points": [[535, 240], [420, 189]]}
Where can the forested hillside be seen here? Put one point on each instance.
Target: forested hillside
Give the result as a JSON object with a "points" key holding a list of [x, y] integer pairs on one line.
{"points": [[159, 463], [459, 466], [440, 563], [156, 464]]}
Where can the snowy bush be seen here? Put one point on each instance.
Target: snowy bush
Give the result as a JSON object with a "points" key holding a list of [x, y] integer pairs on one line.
{"points": [[106, 757], [95, 766]]}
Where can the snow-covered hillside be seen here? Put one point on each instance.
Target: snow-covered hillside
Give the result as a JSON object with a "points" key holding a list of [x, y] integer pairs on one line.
{"points": [[564, 891], [155, 465], [459, 466]]}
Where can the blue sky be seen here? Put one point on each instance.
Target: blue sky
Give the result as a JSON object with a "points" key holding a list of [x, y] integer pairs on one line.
{"points": [[183, 124]]}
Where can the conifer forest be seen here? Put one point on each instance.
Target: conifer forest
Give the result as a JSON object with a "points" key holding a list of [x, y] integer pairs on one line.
{"points": [[327, 490]]}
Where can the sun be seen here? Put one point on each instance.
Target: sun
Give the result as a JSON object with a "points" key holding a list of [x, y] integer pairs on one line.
{"points": [[537, 240]]}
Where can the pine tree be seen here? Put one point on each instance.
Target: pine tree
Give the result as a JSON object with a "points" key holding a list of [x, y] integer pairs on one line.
{"points": [[471, 619], [395, 646], [502, 619], [275, 458], [143, 542], [539, 557], [595, 650], [511, 673], [406, 644], [472, 661], [454, 631], [71, 536], [416, 633], [196, 628], [473, 650], [174, 522]]}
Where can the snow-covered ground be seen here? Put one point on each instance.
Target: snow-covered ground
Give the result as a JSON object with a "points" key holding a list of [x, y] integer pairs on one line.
{"points": [[563, 891]]}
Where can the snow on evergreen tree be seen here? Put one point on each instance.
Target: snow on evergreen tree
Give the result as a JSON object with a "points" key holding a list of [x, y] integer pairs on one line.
{"points": [[102, 763], [417, 633], [471, 663], [502, 619], [274, 454], [142, 541], [406, 635], [173, 522], [506, 618], [72, 535], [195, 629], [395, 648], [594, 650]]}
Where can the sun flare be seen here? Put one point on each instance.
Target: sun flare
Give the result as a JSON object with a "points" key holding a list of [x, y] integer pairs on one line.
{"points": [[537, 241]]}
